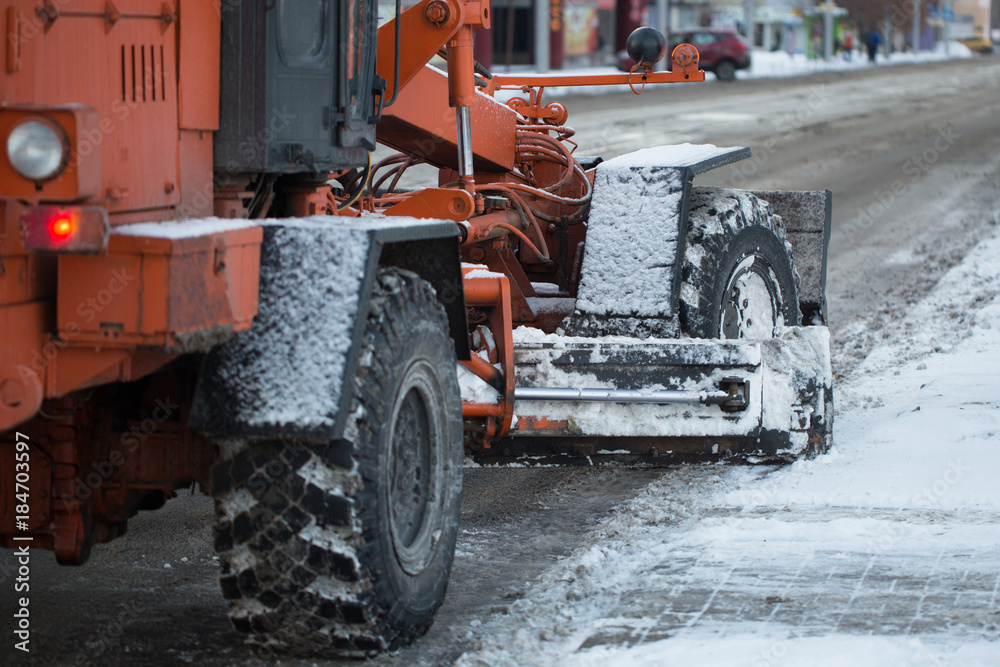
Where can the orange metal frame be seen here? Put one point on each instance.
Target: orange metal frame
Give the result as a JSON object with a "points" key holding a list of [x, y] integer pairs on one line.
{"points": [[423, 125], [492, 292]]}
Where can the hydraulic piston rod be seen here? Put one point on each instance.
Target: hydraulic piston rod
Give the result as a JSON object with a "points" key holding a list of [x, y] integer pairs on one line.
{"points": [[463, 118], [734, 397], [666, 397]]}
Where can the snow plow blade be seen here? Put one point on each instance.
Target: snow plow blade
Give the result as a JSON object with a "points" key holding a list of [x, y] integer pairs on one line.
{"points": [[620, 400]]}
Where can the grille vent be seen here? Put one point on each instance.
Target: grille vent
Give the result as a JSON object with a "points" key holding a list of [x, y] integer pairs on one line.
{"points": [[142, 68]]}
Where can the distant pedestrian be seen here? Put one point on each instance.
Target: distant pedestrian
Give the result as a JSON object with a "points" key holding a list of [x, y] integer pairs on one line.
{"points": [[873, 41], [849, 46]]}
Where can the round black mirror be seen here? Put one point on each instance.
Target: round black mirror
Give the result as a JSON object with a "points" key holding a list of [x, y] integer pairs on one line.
{"points": [[646, 46]]}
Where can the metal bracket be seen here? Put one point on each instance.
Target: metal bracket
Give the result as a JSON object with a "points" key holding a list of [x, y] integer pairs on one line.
{"points": [[737, 397]]}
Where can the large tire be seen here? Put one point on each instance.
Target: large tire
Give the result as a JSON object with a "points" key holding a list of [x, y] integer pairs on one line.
{"points": [[345, 547], [738, 278]]}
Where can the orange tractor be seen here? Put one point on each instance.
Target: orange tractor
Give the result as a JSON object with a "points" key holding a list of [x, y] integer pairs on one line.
{"points": [[206, 279]]}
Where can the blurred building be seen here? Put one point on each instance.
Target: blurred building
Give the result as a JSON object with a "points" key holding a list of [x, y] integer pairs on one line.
{"points": [[557, 34], [775, 25], [972, 17], [552, 34]]}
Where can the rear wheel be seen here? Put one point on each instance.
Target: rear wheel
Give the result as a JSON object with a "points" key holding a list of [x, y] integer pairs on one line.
{"points": [[345, 547], [739, 279], [725, 70]]}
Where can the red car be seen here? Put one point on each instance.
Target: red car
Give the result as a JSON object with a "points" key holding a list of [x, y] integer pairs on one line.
{"points": [[722, 51]]}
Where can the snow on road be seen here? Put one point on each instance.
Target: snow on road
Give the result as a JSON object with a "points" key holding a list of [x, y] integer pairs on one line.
{"points": [[886, 551]]}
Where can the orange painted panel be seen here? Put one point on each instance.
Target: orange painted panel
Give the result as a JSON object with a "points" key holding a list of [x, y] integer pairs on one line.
{"points": [[153, 291], [197, 189], [99, 294], [23, 361], [198, 69], [242, 282], [156, 274], [421, 122], [126, 71]]}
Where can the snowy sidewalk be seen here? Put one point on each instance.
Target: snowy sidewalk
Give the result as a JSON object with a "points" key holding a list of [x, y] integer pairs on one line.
{"points": [[884, 552], [778, 64]]}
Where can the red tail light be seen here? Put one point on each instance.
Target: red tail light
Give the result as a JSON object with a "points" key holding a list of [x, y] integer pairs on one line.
{"points": [[61, 228], [77, 229]]}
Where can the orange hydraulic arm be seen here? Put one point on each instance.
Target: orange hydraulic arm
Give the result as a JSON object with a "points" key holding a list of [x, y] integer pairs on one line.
{"points": [[470, 132], [419, 123]]}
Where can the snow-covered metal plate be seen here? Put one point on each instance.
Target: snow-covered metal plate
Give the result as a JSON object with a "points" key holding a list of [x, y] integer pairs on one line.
{"points": [[629, 278], [285, 375]]}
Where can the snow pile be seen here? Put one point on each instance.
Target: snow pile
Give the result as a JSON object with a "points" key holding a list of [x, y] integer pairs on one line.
{"points": [[473, 388], [885, 551], [761, 650], [773, 64], [919, 418]]}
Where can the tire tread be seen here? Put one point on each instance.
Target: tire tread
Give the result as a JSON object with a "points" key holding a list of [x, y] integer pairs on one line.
{"points": [[270, 571]]}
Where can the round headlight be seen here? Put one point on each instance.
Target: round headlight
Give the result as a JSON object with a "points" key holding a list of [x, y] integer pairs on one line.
{"points": [[36, 150]]}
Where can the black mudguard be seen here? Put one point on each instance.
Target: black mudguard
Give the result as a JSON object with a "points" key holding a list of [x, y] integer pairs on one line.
{"points": [[285, 375]]}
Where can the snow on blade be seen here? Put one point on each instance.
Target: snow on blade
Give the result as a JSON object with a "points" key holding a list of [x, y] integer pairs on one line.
{"points": [[780, 373]]}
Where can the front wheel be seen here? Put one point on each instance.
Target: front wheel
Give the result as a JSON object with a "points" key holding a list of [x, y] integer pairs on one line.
{"points": [[345, 547], [739, 279]]}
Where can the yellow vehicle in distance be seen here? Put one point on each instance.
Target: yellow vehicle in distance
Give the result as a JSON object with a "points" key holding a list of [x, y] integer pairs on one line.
{"points": [[977, 43]]}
